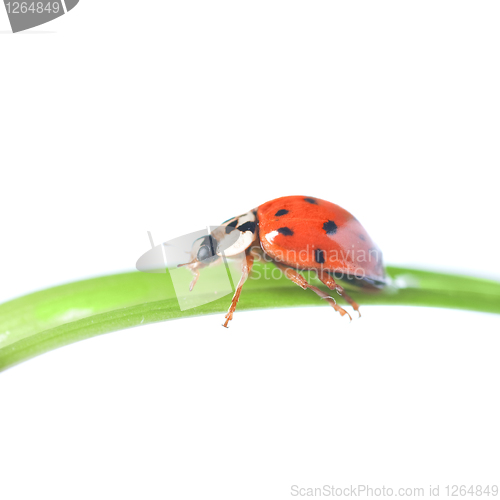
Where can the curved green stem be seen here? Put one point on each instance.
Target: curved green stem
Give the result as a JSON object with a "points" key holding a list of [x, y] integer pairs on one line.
{"points": [[55, 317]]}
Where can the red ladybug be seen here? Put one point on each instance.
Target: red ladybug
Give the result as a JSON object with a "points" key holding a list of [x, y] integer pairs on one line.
{"points": [[297, 233]]}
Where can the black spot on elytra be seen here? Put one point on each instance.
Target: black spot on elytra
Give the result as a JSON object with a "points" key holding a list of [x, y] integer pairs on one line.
{"points": [[285, 231], [330, 228], [247, 226], [281, 212], [319, 255], [362, 238], [231, 226], [312, 201]]}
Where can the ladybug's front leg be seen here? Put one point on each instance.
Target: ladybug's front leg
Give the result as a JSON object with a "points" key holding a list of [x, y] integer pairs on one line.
{"points": [[327, 279], [196, 275], [246, 268], [298, 279]]}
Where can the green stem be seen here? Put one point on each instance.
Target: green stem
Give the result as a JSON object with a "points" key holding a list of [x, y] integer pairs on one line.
{"points": [[46, 320]]}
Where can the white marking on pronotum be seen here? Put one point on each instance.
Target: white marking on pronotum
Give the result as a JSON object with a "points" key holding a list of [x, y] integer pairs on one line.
{"points": [[248, 217], [245, 238]]}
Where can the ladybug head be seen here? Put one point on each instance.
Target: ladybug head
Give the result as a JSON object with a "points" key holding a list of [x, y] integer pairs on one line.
{"points": [[203, 253], [231, 238]]}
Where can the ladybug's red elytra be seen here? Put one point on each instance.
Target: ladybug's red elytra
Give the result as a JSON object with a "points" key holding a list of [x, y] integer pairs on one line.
{"points": [[297, 233]]}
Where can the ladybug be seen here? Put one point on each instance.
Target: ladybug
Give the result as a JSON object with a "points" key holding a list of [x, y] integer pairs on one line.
{"points": [[297, 233]]}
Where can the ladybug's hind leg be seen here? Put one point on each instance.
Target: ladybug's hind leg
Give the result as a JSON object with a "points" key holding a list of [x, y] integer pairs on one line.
{"points": [[246, 268], [328, 280], [298, 279]]}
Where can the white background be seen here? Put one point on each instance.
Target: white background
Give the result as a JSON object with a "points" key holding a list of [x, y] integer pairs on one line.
{"points": [[123, 117]]}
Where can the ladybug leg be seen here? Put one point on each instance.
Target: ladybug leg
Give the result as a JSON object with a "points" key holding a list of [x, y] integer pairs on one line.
{"points": [[246, 268], [327, 279], [298, 279], [196, 275]]}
